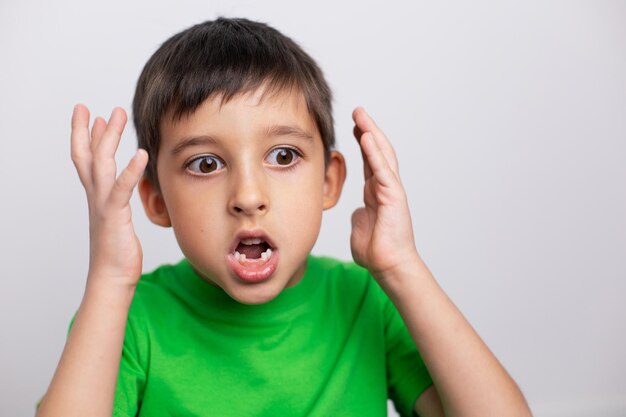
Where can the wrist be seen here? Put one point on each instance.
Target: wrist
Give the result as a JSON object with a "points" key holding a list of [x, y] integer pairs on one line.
{"points": [[410, 272], [115, 289]]}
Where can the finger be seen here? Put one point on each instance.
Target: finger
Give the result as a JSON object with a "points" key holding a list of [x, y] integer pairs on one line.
{"points": [[365, 123], [128, 179], [377, 162], [104, 168], [97, 130], [357, 132], [367, 171], [112, 133], [80, 146]]}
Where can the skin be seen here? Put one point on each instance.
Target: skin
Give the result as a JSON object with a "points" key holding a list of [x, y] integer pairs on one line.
{"points": [[468, 379], [248, 190], [251, 190]]}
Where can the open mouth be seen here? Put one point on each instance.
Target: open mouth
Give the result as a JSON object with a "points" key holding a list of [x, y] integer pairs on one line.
{"points": [[252, 250], [253, 257]]}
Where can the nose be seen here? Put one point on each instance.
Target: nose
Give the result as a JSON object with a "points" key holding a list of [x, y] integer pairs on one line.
{"points": [[248, 194]]}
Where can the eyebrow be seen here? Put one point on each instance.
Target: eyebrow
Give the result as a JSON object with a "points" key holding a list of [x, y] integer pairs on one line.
{"points": [[283, 130], [272, 130], [194, 141]]}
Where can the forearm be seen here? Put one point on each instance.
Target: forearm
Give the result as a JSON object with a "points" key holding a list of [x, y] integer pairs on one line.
{"points": [[469, 379], [85, 378]]}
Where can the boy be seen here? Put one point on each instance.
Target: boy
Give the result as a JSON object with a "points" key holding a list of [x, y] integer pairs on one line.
{"points": [[236, 140]]}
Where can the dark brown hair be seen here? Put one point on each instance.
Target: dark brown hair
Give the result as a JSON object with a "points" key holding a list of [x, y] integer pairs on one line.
{"points": [[224, 57]]}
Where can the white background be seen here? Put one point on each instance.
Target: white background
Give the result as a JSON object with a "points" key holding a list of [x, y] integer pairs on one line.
{"points": [[509, 119]]}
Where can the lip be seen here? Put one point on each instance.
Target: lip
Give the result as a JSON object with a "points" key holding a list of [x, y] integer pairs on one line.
{"points": [[252, 273], [251, 234]]}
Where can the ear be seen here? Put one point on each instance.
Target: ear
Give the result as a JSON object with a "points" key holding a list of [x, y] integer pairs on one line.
{"points": [[153, 203], [333, 179]]}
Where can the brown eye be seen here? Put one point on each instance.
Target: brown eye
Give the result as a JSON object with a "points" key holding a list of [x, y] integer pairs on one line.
{"points": [[205, 164], [283, 156]]}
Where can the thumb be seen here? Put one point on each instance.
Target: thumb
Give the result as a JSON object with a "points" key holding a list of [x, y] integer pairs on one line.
{"points": [[358, 218], [359, 237]]}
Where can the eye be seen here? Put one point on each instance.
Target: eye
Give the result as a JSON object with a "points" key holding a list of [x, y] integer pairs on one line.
{"points": [[283, 156], [205, 164]]}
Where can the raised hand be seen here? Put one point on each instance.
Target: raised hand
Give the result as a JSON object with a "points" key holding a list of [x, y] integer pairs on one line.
{"points": [[382, 232], [115, 252]]}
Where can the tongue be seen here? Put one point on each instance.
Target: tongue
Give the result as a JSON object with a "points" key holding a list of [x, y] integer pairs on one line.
{"points": [[251, 251]]}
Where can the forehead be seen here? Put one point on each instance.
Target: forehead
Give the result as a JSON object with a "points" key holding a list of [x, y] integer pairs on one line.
{"points": [[252, 113]]}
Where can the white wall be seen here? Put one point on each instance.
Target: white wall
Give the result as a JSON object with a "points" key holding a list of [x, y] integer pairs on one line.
{"points": [[509, 119]]}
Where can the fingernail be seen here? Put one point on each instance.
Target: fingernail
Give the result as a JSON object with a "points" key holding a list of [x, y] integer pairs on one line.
{"points": [[139, 150]]}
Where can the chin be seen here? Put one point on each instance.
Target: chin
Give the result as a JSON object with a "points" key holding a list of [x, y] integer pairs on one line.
{"points": [[254, 294]]}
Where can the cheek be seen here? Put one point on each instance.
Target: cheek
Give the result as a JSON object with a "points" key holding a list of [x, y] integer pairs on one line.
{"points": [[299, 208], [299, 190], [193, 216]]}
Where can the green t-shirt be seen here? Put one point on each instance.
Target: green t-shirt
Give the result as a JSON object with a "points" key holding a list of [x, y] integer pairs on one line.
{"points": [[332, 345]]}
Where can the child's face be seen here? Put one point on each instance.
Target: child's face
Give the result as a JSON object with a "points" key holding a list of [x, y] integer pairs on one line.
{"points": [[234, 174]]}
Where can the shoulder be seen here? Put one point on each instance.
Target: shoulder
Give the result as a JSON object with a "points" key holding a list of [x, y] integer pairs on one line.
{"points": [[335, 267], [336, 271], [159, 280], [346, 280], [352, 282], [159, 287], [160, 276]]}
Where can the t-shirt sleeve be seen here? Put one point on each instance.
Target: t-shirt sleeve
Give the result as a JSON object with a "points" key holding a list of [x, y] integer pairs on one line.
{"points": [[407, 375]]}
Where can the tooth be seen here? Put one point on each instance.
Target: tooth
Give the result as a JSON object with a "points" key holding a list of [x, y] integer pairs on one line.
{"points": [[237, 256], [264, 256], [251, 241], [268, 253], [242, 258]]}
